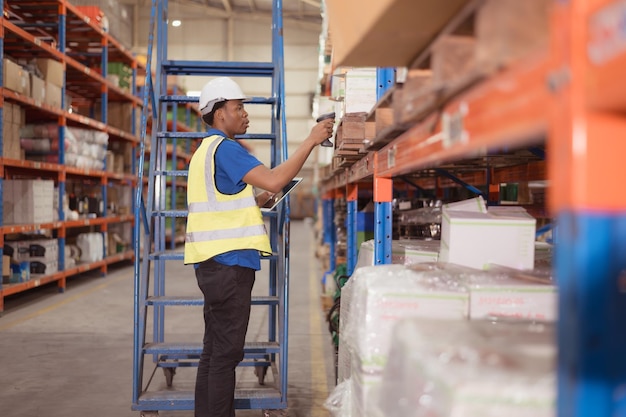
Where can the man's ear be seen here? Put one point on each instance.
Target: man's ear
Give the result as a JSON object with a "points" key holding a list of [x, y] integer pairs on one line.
{"points": [[219, 114]]}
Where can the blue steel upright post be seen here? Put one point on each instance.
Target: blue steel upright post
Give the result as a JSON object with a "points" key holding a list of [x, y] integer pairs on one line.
{"points": [[383, 188]]}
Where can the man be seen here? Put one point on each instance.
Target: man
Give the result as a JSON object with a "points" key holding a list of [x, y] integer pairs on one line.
{"points": [[226, 235]]}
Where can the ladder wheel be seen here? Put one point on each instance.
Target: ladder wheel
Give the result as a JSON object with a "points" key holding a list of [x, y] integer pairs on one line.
{"points": [[169, 377], [260, 371], [149, 414]]}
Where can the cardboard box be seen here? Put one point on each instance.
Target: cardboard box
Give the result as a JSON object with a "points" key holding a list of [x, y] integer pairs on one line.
{"points": [[6, 265], [7, 203], [508, 30], [494, 295], [53, 95], [119, 115], [35, 250], [452, 59], [51, 70], [14, 77], [20, 272], [477, 239], [37, 88], [385, 33], [360, 90], [28, 201]]}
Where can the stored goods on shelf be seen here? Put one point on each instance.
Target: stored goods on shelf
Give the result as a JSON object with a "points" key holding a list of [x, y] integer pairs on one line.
{"points": [[84, 148], [508, 30], [403, 252], [28, 201], [14, 77], [90, 245], [360, 90], [12, 122]]}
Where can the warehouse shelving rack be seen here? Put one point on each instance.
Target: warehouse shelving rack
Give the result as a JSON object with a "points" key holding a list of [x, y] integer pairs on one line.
{"points": [[57, 30], [151, 300], [572, 98]]}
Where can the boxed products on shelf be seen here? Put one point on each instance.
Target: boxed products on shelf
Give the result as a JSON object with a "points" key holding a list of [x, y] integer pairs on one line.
{"points": [[360, 90], [91, 247], [51, 70], [14, 77], [403, 252], [12, 122], [37, 88], [28, 201], [507, 30], [34, 249], [84, 148], [20, 272]]}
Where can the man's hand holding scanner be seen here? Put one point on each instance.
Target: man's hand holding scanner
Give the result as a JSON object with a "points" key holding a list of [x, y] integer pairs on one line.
{"points": [[328, 121]]}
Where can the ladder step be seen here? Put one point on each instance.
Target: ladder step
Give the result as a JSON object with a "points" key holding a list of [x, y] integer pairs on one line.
{"points": [[257, 136], [261, 398], [199, 300], [178, 255], [167, 255], [202, 135], [170, 213], [219, 68], [194, 99], [196, 348], [181, 135], [172, 173]]}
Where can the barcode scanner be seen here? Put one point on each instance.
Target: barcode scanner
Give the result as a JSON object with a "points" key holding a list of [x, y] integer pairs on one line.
{"points": [[327, 143]]}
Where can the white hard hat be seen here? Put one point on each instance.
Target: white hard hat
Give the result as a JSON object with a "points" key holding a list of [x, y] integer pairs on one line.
{"points": [[216, 90]]}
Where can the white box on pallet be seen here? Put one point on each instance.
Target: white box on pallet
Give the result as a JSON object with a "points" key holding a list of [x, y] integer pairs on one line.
{"points": [[511, 298], [378, 296], [477, 238]]}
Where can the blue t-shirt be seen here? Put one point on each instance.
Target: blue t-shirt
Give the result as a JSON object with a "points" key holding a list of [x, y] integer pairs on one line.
{"points": [[232, 163]]}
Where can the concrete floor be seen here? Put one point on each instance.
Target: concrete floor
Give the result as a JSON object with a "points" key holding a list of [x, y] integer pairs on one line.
{"points": [[70, 354]]}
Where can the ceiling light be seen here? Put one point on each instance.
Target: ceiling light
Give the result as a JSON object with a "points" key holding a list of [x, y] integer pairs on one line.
{"points": [[176, 23]]}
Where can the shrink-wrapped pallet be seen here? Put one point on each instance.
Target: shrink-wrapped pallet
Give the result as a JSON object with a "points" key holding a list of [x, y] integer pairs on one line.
{"points": [[372, 301], [466, 369]]}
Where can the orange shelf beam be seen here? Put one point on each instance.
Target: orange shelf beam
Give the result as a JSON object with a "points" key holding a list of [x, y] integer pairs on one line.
{"points": [[507, 111]]}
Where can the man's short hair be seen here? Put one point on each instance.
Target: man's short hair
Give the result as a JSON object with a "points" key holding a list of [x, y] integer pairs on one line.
{"points": [[209, 118]]}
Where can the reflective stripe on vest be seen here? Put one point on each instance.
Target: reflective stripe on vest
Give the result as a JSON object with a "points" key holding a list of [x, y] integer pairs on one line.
{"points": [[225, 233]]}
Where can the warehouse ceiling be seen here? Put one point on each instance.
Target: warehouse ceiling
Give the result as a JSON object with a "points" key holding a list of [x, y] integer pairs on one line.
{"points": [[302, 13]]}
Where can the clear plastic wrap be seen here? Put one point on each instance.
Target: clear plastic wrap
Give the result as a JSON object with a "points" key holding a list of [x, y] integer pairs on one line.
{"points": [[467, 369], [403, 252], [372, 301], [84, 148], [338, 402], [507, 292]]}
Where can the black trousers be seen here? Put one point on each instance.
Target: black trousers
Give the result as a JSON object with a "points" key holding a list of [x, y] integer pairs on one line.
{"points": [[227, 295]]}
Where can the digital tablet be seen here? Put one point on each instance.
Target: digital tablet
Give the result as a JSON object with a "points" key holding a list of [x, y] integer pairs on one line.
{"points": [[273, 202]]}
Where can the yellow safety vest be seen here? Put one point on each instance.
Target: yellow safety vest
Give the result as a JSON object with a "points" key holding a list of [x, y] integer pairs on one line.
{"points": [[219, 223]]}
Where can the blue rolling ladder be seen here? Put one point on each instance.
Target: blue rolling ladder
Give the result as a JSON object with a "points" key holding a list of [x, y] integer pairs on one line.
{"points": [[152, 208]]}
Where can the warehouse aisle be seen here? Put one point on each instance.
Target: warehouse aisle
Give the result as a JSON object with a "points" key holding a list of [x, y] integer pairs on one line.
{"points": [[70, 354]]}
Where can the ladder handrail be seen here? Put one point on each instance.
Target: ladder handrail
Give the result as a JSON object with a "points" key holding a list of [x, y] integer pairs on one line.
{"points": [[140, 211]]}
